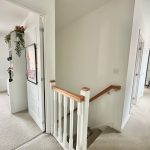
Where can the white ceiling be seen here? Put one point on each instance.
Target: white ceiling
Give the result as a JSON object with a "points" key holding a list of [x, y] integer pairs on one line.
{"points": [[69, 10], [10, 16]]}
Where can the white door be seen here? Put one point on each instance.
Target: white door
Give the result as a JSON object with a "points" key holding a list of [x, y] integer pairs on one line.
{"points": [[137, 71], [34, 34]]}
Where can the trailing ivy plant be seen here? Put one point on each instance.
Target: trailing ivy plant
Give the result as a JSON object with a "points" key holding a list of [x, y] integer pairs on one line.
{"points": [[20, 43]]}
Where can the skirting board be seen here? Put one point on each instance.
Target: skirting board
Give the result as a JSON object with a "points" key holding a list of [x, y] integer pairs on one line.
{"points": [[102, 127]]}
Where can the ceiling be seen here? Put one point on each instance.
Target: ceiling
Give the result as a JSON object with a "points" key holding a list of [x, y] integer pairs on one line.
{"points": [[70, 10], [10, 16]]}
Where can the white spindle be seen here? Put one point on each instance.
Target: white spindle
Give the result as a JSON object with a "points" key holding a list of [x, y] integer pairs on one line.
{"points": [[55, 114], [80, 126], [71, 124], [52, 83], [86, 93], [79, 111], [60, 117], [65, 122]]}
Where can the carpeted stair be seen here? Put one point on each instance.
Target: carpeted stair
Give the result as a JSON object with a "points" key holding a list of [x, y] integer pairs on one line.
{"points": [[91, 136]]}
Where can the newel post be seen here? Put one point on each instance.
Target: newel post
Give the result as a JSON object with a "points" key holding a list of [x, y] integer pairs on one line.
{"points": [[85, 113], [52, 83]]}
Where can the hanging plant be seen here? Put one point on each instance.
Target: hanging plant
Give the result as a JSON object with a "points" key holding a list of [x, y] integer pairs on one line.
{"points": [[20, 43]]}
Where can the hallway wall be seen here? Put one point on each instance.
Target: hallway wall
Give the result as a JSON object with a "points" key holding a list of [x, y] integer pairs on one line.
{"points": [[93, 51], [4, 64], [139, 23]]}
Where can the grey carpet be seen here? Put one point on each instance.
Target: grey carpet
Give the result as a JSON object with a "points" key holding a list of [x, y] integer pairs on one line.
{"points": [[136, 134], [43, 142], [14, 129]]}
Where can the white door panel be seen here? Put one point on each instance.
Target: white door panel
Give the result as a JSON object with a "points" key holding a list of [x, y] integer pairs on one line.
{"points": [[36, 91]]}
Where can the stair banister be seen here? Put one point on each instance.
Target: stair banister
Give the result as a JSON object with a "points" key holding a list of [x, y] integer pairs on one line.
{"points": [[60, 99], [106, 90]]}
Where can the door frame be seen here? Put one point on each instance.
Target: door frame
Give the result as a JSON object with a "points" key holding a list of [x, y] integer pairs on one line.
{"points": [[137, 70], [42, 40]]}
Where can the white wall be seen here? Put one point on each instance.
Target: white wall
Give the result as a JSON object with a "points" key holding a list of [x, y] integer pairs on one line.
{"points": [[4, 64], [93, 51], [18, 87], [139, 23]]}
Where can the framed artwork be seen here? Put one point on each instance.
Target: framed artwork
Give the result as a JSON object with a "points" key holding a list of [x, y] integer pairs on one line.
{"points": [[147, 79], [31, 62]]}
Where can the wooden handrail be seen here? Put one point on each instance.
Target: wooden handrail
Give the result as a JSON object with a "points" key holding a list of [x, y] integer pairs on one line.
{"points": [[111, 87], [80, 98], [71, 95]]}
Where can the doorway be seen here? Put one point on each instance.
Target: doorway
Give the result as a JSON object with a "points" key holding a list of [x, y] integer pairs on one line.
{"points": [[137, 70], [23, 111]]}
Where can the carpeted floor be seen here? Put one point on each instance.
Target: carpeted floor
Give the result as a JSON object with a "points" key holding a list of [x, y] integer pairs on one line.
{"points": [[14, 129], [135, 136], [43, 142]]}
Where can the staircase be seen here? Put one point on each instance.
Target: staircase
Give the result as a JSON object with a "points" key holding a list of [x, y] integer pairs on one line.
{"points": [[92, 134], [73, 132]]}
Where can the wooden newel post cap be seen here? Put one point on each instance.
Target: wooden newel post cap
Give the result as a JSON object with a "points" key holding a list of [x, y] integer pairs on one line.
{"points": [[85, 89]]}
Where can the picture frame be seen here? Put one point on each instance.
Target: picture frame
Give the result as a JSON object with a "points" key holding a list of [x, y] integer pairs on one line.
{"points": [[31, 63], [147, 83]]}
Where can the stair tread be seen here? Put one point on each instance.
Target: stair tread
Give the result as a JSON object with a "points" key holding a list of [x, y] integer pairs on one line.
{"points": [[93, 134]]}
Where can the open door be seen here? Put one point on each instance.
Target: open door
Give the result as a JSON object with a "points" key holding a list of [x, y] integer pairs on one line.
{"points": [[137, 70], [36, 99]]}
